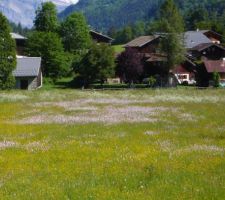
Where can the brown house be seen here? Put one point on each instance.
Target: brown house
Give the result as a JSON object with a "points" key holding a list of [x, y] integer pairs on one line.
{"points": [[209, 51], [212, 66], [100, 38], [149, 47], [185, 72], [145, 44], [213, 36], [200, 45]]}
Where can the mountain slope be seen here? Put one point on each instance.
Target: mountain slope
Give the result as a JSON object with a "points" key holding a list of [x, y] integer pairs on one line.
{"points": [[103, 14], [24, 10]]}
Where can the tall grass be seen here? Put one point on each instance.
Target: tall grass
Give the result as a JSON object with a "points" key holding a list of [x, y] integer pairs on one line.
{"points": [[179, 155]]}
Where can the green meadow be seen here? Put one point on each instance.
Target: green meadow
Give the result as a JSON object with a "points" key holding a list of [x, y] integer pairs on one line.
{"points": [[131, 144]]}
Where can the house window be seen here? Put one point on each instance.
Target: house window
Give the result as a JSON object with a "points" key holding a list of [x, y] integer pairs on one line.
{"points": [[182, 77]]}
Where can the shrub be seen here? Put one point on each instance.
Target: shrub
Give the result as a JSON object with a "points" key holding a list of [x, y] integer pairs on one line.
{"points": [[216, 79]]}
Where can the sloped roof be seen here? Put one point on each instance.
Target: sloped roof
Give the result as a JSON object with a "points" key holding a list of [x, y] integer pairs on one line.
{"points": [[215, 66], [210, 31], [194, 38], [156, 57], [17, 36], [141, 41], [27, 67], [202, 47], [101, 35], [180, 69]]}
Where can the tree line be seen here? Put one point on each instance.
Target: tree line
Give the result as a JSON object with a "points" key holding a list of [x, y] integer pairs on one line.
{"points": [[196, 17], [66, 48]]}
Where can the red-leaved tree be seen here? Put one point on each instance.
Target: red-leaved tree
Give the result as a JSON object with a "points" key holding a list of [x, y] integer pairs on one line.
{"points": [[130, 66]]}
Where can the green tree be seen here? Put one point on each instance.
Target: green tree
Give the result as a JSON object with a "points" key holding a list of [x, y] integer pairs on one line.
{"points": [[98, 64], [55, 63], [216, 79], [46, 18], [112, 32], [7, 55], [75, 34], [138, 29], [171, 24], [195, 16], [170, 13], [124, 35]]}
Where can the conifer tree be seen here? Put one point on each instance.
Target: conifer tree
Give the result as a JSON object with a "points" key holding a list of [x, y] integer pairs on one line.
{"points": [[7, 55], [171, 23]]}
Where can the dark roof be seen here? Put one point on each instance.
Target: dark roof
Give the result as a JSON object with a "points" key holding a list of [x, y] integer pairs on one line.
{"points": [[141, 41], [27, 67], [17, 36], [180, 69], [156, 57], [213, 32], [215, 66], [202, 47], [194, 38], [95, 33]]}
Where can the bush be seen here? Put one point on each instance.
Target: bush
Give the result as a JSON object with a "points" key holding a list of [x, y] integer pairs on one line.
{"points": [[216, 79]]}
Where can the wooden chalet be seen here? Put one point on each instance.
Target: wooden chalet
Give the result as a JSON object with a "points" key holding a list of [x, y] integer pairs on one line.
{"points": [[213, 36], [209, 51], [145, 44], [154, 60], [212, 66], [185, 72], [200, 45], [100, 38]]}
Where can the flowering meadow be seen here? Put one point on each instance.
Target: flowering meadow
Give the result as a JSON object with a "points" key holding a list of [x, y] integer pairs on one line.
{"points": [[131, 144]]}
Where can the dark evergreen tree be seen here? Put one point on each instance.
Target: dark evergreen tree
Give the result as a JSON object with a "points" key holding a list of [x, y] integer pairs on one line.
{"points": [[112, 32], [7, 55], [194, 16], [138, 29]]}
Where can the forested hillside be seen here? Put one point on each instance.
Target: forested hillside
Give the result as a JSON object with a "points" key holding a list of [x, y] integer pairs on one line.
{"points": [[103, 14]]}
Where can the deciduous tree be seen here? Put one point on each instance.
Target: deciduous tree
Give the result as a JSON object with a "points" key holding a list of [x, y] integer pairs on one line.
{"points": [[97, 64], [75, 33], [130, 66], [46, 18], [7, 55], [49, 47]]}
